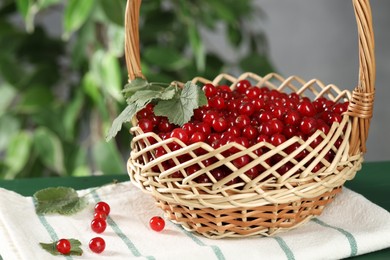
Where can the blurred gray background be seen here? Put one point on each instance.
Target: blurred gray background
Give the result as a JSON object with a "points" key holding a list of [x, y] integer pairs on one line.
{"points": [[318, 39]]}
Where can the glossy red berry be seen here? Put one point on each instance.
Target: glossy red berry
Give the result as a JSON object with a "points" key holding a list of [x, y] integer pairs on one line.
{"points": [[103, 207], [146, 125], [157, 223], [98, 225], [63, 246], [97, 245], [100, 214], [209, 90], [180, 134], [306, 108], [220, 124], [242, 86], [308, 125], [277, 139], [197, 137]]}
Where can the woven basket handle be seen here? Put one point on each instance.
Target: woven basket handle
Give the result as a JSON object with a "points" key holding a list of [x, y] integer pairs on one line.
{"points": [[132, 53], [361, 105], [362, 101]]}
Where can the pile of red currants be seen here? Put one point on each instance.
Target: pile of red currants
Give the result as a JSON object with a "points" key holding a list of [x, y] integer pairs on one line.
{"points": [[247, 116]]}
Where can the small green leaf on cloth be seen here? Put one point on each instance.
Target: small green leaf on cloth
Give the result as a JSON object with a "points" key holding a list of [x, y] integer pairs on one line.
{"points": [[180, 108], [74, 244], [61, 200]]}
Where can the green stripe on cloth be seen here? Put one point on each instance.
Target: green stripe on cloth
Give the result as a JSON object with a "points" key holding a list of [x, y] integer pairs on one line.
{"points": [[349, 236], [217, 251], [52, 233], [119, 232], [286, 249]]}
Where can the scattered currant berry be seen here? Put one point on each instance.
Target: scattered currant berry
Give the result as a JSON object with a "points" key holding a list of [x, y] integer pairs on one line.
{"points": [[100, 214], [63, 246], [97, 245], [157, 223], [98, 225], [103, 207]]}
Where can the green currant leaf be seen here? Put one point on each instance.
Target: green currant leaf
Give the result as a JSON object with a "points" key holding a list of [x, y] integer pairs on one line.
{"points": [[61, 200], [180, 108], [74, 243], [133, 86], [125, 116], [137, 102]]}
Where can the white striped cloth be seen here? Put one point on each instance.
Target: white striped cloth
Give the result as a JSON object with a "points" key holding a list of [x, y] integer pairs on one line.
{"points": [[350, 226]]}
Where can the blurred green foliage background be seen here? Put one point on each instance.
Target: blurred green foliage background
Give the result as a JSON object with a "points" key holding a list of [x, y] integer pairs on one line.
{"points": [[59, 92]]}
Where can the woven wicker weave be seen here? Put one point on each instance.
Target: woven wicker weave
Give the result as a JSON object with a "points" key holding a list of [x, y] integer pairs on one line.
{"points": [[271, 202]]}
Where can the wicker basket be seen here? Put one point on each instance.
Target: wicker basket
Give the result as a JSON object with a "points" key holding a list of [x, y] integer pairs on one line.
{"points": [[272, 202]]}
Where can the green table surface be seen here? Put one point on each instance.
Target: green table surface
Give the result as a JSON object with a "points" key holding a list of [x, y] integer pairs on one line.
{"points": [[372, 181]]}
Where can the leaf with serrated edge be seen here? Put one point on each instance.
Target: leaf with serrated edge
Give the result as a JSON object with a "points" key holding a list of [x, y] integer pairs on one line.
{"points": [[61, 200], [137, 102], [133, 86], [126, 116], [180, 109], [74, 244]]}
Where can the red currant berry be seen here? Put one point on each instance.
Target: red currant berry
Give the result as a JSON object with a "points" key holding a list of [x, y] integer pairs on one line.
{"points": [[234, 130], [217, 103], [242, 86], [197, 137], [308, 125], [246, 109], [164, 126], [264, 116], [294, 97], [213, 137], [333, 118], [144, 113], [253, 172], [146, 125], [276, 126], [218, 174], [292, 117], [277, 139], [209, 116], [203, 128], [203, 179], [220, 124], [306, 108], [278, 112], [249, 132], [262, 138], [242, 121], [209, 90], [253, 93], [232, 105], [258, 103], [180, 134], [192, 169], [103, 207], [189, 128], [63, 246], [97, 245], [100, 214], [98, 225], [157, 223], [225, 88], [241, 161]]}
